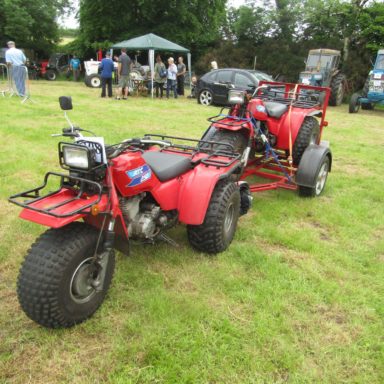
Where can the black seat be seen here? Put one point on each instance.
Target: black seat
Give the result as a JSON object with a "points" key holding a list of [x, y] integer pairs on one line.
{"points": [[167, 166], [275, 109]]}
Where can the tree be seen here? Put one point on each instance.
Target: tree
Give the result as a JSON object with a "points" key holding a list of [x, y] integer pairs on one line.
{"points": [[31, 23], [195, 24]]}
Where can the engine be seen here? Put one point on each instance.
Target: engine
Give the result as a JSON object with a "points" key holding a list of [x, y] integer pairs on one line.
{"points": [[144, 218]]}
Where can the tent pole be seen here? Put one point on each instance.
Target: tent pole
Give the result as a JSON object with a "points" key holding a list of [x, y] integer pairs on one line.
{"points": [[189, 71]]}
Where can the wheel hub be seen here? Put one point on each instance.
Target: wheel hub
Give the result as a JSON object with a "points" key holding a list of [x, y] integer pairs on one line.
{"points": [[229, 215], [85, 281], [321, 178]]}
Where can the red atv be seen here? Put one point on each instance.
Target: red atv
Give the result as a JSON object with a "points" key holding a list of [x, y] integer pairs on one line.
{"points": [[133, 190], [278, 131]]}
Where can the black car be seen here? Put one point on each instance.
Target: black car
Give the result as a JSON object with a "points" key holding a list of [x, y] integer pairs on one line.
{"points": [[212, 88]]}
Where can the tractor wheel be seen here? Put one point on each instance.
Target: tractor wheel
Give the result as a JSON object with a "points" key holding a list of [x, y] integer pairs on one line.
{"points": [[219, 226], [321, 179], [367, 106], [59, 283], [205, 97], [236, 139], [337, 90], [354, 103], [94, 81], [50, 75], [309, 133]]}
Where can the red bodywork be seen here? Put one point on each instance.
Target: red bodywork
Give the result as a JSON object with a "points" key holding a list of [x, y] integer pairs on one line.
{"points": [[189, 193], [285, 129]]}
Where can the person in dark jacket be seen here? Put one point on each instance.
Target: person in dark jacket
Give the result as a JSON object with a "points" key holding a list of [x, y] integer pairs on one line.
{"points": [[106, 67]]}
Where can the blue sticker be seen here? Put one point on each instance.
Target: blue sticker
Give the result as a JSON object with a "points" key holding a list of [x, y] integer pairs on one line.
{"points": [[139, 175]]}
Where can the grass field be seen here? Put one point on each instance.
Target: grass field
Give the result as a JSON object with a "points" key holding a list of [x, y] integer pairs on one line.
{"points": [[297, 298]]}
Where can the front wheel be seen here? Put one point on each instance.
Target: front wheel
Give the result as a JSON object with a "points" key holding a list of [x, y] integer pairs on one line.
{"points": [[309, 133], [354, 104], [50, 75], [219, 226], [60, 283]]}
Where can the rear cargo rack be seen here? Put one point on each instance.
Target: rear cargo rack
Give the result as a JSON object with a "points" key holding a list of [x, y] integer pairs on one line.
{"points": [[67, 197]]}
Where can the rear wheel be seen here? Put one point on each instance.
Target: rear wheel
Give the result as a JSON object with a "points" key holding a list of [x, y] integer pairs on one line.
{"points": [[60, 284], [205, 97], [219, 226], [354, 104], [321, 179], [309, 133], [50, 75], [234, 138], [337, 90]]}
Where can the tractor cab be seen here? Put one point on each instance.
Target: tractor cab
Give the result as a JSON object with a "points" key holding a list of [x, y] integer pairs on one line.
{"points": [[320, 66], [376, 79]]}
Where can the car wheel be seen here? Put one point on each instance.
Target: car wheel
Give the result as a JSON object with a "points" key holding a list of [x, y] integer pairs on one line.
{"points": [[205, 97]]}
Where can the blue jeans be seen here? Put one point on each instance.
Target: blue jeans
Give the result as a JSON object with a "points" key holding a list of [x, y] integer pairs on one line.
{"points": [[172, 84]]}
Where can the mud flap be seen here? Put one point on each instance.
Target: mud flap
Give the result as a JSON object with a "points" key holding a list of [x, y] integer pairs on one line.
{"points": [[310, 164]]}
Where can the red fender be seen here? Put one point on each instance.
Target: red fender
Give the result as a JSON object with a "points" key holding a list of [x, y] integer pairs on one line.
{"points": [[280, 127], [196, 191]]}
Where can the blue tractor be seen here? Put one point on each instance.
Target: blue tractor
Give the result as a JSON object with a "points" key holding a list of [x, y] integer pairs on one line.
{"points": [[373, 91]]}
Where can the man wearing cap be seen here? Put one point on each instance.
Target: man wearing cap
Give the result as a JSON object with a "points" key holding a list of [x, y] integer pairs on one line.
{"points": [[16, 59]]}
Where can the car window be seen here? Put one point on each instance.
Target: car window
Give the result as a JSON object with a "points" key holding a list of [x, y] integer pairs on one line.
{"points": [[210, 76], [224, 76], [242, 80]]}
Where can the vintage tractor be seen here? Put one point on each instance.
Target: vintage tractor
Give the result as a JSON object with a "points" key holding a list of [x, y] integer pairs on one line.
{"points": [[58, 63], [373, 91], [321, 70]]}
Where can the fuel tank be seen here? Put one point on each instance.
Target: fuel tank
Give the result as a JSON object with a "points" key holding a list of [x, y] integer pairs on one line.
{"points": [[132, 175], [257, 109]]}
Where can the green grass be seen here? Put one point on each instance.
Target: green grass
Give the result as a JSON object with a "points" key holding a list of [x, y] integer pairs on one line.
{"points": [[297, 298]]}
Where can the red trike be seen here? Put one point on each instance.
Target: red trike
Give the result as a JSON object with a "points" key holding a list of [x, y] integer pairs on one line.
{"points": [[134, 190]]}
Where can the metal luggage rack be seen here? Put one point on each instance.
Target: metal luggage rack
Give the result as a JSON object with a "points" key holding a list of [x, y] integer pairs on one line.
{"points": [[34, 196], [279, 94], [235, 119], [213, 155]]}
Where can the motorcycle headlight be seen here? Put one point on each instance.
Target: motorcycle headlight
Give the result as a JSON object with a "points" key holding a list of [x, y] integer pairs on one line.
{"points": [[76, 156], [236, 97]]}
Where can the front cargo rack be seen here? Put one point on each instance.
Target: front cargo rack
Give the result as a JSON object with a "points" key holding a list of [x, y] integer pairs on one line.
{"points": [[69, 199]]}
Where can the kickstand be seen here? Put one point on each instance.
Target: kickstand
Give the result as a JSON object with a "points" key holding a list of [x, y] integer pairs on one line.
{"points": [[168, 240]]}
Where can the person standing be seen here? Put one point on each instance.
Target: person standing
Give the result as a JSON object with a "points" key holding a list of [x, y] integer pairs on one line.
{"points": [[106, 67], [171, 77], [75, 67], [160, 76], [181, 69], [124, 68], [16, 60]]}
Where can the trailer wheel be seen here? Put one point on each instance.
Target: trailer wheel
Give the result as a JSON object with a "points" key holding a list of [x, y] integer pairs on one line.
{"points": [[59, 283], [337, 90], [309, 133], [320, 180], [354, 104], [219, 226], [50, 75]]}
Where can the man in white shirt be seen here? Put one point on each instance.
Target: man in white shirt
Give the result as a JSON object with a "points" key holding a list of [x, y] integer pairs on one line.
{"points": [[16, 59]]}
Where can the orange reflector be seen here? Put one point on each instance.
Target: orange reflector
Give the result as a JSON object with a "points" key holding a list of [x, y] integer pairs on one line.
{"points": [[95, 210]]}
